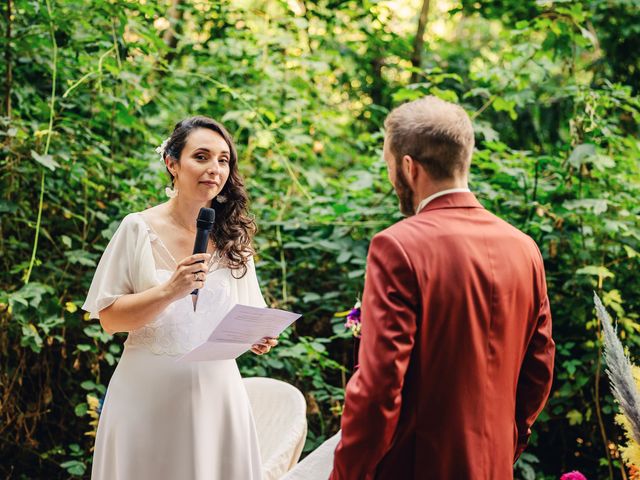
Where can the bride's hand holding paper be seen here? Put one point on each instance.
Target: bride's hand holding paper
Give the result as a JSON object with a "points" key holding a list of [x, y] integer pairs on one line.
{"points": [[264, 346]]}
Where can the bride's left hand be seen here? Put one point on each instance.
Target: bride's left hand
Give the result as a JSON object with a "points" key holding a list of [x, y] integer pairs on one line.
{"points": [[264, 346]]}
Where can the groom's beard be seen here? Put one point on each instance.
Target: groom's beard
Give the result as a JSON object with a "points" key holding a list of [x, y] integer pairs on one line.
{"points": [[404, 193]]}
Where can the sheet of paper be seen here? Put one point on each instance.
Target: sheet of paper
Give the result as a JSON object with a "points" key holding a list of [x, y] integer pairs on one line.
{"points": [[242, 327]]}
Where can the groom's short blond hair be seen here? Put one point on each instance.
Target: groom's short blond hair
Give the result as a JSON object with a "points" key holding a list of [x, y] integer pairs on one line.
{"points": [[435, 133]]}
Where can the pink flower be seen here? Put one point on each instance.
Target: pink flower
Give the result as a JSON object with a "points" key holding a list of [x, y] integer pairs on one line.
{"points": [[575, 475]]}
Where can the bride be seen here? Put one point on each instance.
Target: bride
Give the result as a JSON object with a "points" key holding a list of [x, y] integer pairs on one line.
{"points": [[164, 419]]}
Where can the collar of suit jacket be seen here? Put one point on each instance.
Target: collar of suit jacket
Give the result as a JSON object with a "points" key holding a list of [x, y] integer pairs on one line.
{"points": [[460, 198], [430, 198]]}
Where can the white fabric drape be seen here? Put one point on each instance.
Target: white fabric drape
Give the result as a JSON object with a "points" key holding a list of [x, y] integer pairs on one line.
{"points": [[318, 464]]}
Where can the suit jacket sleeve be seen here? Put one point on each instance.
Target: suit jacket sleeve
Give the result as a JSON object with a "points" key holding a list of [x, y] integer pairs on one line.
{"points": [[373, 396], [536, 373]]}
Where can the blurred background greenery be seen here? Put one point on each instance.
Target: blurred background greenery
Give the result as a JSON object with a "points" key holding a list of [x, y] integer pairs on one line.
{"points": [[90, 88]]}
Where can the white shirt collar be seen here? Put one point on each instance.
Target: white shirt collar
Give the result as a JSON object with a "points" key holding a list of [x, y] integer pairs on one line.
{"points": [[424, 202]]}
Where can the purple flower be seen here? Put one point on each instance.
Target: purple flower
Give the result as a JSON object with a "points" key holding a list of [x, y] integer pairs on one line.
{"points": [[575, 475], [353, 321], [354, 315]]}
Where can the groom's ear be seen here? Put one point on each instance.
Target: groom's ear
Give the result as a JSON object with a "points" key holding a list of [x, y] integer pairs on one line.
{"points": [[410, 167]]}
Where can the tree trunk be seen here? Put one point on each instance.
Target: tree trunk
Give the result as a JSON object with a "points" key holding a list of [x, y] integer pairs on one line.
{"points": [[418, 42], [378, 83], [7, 57], [171, 35]]}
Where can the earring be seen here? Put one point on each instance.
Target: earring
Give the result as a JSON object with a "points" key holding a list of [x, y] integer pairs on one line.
{"points": [[221, 198], [171, 192]]}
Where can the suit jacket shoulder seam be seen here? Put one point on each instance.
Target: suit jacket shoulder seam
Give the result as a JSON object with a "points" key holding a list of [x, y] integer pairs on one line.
{"points": [[407, 259]]}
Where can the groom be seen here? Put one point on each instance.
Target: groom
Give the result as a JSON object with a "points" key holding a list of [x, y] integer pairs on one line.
{"points": [[456, 359]]}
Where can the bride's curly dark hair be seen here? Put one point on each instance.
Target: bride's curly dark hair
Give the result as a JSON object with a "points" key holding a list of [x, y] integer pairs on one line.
{"points": [[234, 229]]}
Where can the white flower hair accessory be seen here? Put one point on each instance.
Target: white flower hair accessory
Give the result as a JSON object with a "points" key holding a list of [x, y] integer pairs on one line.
{"points": [[160, 150]]}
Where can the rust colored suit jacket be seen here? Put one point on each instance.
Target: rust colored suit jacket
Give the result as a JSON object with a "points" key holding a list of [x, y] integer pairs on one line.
{"points": [[456, 358]]}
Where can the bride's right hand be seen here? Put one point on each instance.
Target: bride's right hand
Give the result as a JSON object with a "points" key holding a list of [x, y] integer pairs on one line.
{"points": [[188, 275]]}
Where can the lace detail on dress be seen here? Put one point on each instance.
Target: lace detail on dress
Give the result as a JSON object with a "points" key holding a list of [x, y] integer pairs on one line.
{"points": [[178, 329]]}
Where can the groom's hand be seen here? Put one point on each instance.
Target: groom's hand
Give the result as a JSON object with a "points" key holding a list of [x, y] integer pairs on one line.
{"points": [[264, 346]]}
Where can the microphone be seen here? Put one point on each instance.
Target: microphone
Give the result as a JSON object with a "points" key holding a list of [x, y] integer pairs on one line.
{"points": [[204, 224]]}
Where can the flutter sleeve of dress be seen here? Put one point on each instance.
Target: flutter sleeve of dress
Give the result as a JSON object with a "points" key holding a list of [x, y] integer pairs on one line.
{"points": [[118, 272], [249, 289]]}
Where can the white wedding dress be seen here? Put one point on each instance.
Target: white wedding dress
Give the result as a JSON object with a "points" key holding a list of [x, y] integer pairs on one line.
{"points": [[164, 419]]}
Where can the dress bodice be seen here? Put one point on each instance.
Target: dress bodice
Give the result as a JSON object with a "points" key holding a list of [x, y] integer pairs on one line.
{"points": [[178, 329]]}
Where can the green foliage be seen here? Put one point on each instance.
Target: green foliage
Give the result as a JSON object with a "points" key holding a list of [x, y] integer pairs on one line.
{"points": [[304, 87]]}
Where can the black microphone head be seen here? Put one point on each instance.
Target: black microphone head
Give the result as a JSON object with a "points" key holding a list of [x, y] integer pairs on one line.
{"points": [[206, 218]]}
